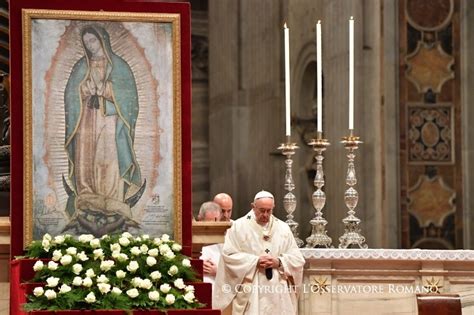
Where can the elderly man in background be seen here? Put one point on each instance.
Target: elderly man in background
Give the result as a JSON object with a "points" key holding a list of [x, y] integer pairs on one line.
{"points": [[225, 202], [261, 267], [209, 211]]}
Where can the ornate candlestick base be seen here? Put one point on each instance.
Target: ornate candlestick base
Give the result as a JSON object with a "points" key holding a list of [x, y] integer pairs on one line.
{"points": [[318, 237], [289, 201], [352, 235]]}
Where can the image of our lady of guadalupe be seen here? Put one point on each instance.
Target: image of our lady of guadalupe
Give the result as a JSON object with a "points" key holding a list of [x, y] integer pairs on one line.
{"points": [[101, 108]]}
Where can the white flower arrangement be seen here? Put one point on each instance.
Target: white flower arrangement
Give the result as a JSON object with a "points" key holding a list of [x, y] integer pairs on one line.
{"points": [[111, 272]]}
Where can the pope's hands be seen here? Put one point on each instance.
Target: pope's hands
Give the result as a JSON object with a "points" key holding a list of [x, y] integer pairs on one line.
{"points": [[267, 261]]}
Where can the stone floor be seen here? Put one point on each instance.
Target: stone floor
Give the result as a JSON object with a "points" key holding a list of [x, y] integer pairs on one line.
{"points": [[4, 297]]}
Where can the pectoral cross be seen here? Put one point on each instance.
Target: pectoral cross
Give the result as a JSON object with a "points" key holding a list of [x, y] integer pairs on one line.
{"points": [[267, 250]]}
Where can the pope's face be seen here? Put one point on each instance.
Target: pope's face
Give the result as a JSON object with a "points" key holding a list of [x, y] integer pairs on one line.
{"points": [[263, 209], [92, 43]]}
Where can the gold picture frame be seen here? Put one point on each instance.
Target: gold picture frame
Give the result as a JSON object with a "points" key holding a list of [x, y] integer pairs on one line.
{"points": [[102, 154]]}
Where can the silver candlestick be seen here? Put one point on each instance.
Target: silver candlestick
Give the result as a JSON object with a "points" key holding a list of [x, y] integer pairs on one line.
{"points": [[289, 201], [351, 234], [318, 237]]}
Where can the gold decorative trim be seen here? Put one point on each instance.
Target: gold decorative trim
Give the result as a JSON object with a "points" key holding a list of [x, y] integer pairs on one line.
{"points": [[27, 131], [433, 285], [27, 16], [99, 15], [177, 140]]}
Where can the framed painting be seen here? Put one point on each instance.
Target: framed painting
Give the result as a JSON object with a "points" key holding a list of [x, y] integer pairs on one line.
{"points": [[102, 138]]}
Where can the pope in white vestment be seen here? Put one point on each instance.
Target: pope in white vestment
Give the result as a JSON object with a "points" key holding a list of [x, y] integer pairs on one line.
{"points": [[261, 267]]}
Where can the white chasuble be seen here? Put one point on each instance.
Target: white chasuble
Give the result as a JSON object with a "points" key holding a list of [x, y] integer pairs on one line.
{"points": [[242, 286]]}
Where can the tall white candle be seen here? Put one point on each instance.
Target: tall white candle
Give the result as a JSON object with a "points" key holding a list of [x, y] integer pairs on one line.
{"points": [[286, 32], [319, 77], [351, 73]]}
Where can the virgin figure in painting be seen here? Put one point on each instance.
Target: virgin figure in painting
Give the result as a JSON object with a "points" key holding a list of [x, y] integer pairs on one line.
{"points": [[101, 110]]}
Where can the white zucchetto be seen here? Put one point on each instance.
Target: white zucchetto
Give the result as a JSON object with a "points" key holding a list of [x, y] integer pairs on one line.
{"points": [[263, 194]]}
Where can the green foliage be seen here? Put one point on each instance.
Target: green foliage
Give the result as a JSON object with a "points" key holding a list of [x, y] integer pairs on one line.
{"points": [[82, 273]]}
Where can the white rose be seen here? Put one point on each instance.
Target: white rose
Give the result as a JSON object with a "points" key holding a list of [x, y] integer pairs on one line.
{"points": [[106, 265], [50, 294], [95, 243], [71, 251], [39, 265], [76, 268], [102, 279], [122, 257], [173, 270], [116, 290], [85, 238], [133, 266], [59, 239], [136, 282], [47, 237], [124, 241], [52, 265], [120, 274], [153, 252], [82, 256], [64, 288], [87, 282], [66, 260], [77, 281], [169, 255], [155, 275], [146, 236], [46, 245], [115, 247], [150, 261], [57, 255], [146, 284], [98, 254], [38, 291], [90, 273], [138, 239], [157, 241], [164, 248], [144, 249], [127, 235], [133, 293], [154, 295], [170, 299], [165, 238], [176, 247], [105, 236], [90, 298], [135, 251], [186, 262], [179, 283], [165, 288], [115, 254], [189, 288], [189, 297], [103, 287]]}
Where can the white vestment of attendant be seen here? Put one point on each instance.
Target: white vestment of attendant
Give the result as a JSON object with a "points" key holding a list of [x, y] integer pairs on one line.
{"points": [[242, 285], [212, 253]]}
